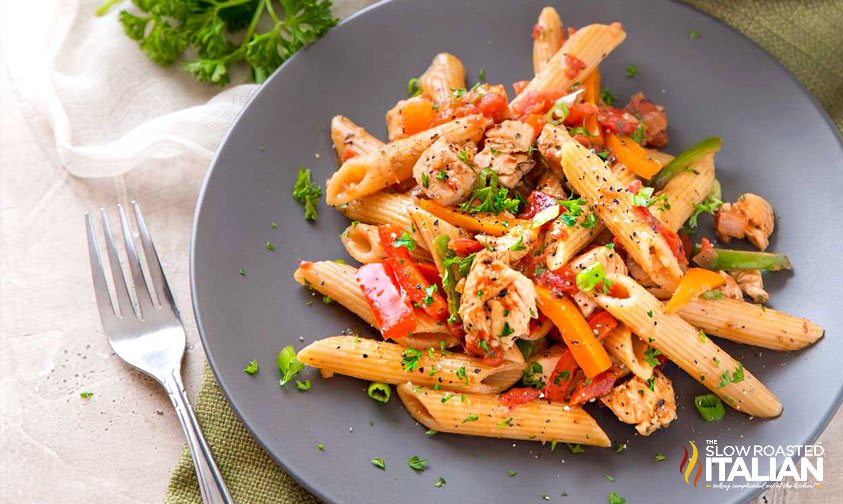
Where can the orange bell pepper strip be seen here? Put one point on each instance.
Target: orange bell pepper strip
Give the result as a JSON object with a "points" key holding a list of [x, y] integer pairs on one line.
{"points": [[591, 95], [695, 282], [587, 350], [633, 156], [417, 116], [602, 323], [410, 278], [480, 222]]}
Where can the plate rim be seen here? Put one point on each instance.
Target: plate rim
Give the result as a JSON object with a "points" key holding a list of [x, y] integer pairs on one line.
{"points": [[301, 479]]}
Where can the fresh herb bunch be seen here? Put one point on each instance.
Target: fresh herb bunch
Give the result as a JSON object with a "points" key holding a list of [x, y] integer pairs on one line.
{"points": [[225, 32]]}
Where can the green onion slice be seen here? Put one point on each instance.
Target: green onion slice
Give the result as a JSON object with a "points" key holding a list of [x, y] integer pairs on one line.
{"points": [[710, 407], [380, 392], [590, 277]]}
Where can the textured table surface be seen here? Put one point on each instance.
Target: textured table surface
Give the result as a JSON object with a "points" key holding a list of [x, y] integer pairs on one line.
{"points": [[120, 445]]}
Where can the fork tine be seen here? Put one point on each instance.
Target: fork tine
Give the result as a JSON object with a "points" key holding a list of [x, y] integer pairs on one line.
{"points": [[156, 274], [104, 305], [124, 301], [142, 291]]}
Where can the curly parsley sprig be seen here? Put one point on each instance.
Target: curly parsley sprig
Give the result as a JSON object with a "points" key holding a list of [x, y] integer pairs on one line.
{"points": [[225, 32]]}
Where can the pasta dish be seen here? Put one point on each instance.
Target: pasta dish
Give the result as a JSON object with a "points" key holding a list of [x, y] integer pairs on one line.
{"points": [[524, 257]]}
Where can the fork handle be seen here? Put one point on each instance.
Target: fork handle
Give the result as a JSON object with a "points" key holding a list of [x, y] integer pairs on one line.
{"points": [[211, 484]]}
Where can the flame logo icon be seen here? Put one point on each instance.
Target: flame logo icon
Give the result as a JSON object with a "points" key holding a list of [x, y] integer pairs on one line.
{"points": [[686, 470]]}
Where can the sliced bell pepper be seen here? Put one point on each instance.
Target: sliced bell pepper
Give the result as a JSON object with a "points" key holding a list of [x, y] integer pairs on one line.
{"points": [[587, 350], [724, 259], [417, 116], [633, 156], [465, 246], [596, 387], [602, 323], [393, 312], [592, 95], [517, 396], [695, 282], [684, 159], [480, 222], [409, 277], [556, 387]]}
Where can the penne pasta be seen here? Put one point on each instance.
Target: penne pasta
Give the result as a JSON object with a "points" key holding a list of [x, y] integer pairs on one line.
{"points": [[751, 324], [368, 173], [446, 72], [381, 208], [607, 195], [698, 356], [484, 415], [577, 58], [350, 139], [629, 349], [362, 242], [386, 362], [429, 227], [684, 191], [548, 36], [338, 283]]}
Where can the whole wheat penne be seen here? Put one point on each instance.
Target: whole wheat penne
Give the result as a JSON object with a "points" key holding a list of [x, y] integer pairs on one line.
{"points": [[751, 324], [350, 139], [368, 173], [386, 362], [484, 415], [577, 58], [609, 198], [337, 281], [629, 349], [548, 36], [362, 242], [446, 72], [698, 356]]}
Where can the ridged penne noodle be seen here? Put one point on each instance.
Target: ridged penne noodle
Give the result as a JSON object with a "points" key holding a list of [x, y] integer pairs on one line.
{"points": [[381, 208], [429, 227], [446, 72], [548, 36], [368, 173], [362, 242], [629, 349], [338, 283], [698, 356], [684, 191], [608, 196], [381, 361], [484, 415], [351, 139], [751, 324], [577, 58]]}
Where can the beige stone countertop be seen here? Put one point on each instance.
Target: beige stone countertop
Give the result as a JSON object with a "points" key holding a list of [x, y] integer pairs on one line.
{"points": [[120, 445]]}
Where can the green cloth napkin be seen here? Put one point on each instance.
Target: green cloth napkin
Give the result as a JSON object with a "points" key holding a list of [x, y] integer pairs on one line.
{"points": [[804, 35]]}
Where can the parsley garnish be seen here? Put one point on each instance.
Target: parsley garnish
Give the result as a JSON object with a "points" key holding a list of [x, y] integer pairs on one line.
{"points": [[425, 180], [632, 70], [251, 368], [416, 463], [303, 386], [482, 74], [430, 432], [505, 423], [507, 330], [616, 499], [242, 272], [269, 246], [461, 375], [307, 194], [607, 96], [735, 377], [288, 365], [659, 457], [320, 447], [378, 462], [441, 481], [650, 356], [637, 136], [410, 359], [517, 246], [703, 337], [709, 206], [610, 478], [575, 448], [406, 241], [651, 383], [511, 474], [694, 34], [470, 418], [428, 300], [86, 395], [490, 197]]}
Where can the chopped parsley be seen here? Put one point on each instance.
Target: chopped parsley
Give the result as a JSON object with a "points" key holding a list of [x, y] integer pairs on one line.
{"points": [[659, 457], [650, 356], [632, 70], [488, 197], [461, 375], [607, 96], [481, 75], [610, 478], [616, 499], [288, 365], [651, 383], [511, 474], [416, 463], [694, 34], [378, 462], [505, 423], [425, 180], [507, 330], [709, 206], [430, 432], [320, 447], [410, 359], [269, 246], [86, 395], [303, 386], [637, 136], [327, 300], [735, 377], [251, 368], [713, 295], [470, 418], [517, 246], [703, 337], [307, 194], [406, 241], [430, 291], [441, 481], [575, 448], [242, 271]]}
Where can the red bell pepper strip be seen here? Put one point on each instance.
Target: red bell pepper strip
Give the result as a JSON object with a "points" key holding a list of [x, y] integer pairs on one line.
{"points": [[602, 323], [465, 246], [517, 396], [393, 312], [559, 280], [560, 379], [598, 386], [409, 277]]}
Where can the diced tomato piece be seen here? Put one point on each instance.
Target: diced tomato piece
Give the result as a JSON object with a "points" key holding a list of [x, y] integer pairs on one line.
{"points": [[519, 86], [673, 240], [559, 280], [598, 386], [417, 115], [465, 246], [578, 112], [560, 379], [602, 323], [393, 312], [409, 276], [617, 121], [573, 66], [635, 186], [536, 202], [493, 106], [472, 346], [537, 121], [538, 31], [517, 396]]}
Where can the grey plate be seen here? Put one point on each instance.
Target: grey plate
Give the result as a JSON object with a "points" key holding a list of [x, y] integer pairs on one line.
{"points": [[777, 143]]}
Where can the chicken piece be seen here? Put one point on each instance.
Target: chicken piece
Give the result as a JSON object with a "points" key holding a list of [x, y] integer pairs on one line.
{"points": [[515, 244], [639, 275], [441, 174], [612, 263], [751, 216], [751, 283], [731, 289], [634, 403], [497, 302], [549, 183], [506, 151], [652, 117]]}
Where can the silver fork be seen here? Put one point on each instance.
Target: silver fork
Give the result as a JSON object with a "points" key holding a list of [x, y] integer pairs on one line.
{"points": [[151, 338]]}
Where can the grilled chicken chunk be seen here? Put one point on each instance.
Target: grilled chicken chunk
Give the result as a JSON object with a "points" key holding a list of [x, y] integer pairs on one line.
{"points": [[751, 217], [506, 151], [751, 283], [497, 302], [442, 175], [731, 289], [652, 117], [516, 243], [612, 263], [634, 403]]}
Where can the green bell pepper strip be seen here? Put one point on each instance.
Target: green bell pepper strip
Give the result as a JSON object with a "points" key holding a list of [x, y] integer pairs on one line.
{"points": [[735, 260], [683, 160], [449, 276]]}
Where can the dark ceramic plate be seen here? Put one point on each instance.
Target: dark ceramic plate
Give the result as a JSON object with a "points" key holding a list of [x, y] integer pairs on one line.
{"points": [[777, 143]]}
